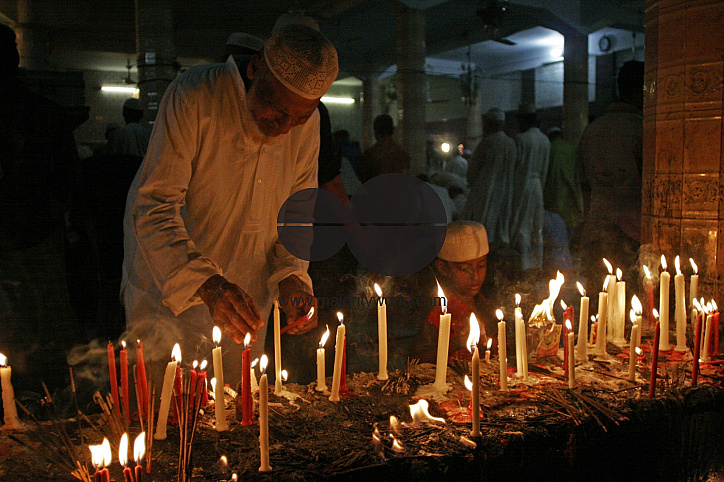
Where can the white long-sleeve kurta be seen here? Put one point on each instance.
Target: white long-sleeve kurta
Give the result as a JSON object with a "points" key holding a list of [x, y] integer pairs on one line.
{"points": [[491, 179], [530, 176], [205, 202]]}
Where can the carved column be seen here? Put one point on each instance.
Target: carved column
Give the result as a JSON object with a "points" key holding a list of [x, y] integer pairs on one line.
{"points": [[682, 210]]}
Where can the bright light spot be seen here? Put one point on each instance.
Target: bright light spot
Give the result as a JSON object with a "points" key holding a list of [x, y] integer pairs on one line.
{"points": [[139, 447], [337, 100], [581, 289], [120, 90], [445, 147], [468, 383], [216, 335], [694, 266], [499, 314], [123, 450], [340, 317], [474, 336], [420, 413], [378, 290], [557, 52], [325, 336], [176, 352], [263, 363], [203, 364]]}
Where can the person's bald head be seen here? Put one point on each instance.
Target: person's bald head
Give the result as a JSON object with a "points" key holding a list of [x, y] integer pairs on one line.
{"points": [[462, 260]]}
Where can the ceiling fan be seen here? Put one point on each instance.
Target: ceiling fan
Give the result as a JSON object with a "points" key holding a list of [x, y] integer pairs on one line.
{"points": [[492, 15]]}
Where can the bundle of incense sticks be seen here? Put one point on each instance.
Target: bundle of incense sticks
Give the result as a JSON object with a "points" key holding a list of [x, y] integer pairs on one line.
{"points": [[189, 414]]}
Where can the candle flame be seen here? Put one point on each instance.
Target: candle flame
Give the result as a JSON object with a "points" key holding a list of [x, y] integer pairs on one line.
{"points": [[123, 344], [397, 445], [340, 317], [96, 455], [564, 305], [490, 343], [543, 313], [123, 450], [224, 461], [608, 266], [605, 283], [663, 262], [3, 360], [713, 305], [499, 314], [213, 385], [247, 340], [517, 299], [378, 290], [325, 336], [619, 274], [377, 443], [632, 316], [636, 305], [443, 300], [709, 308], [647, 272], [394, 425], [203, 364], [569, 327], [593, 318], [468, 383], [694, 266], [176, 353], [474, 336], [420, 413], [106, 450], [581, 289], [263, 363], [285, 375], [677, 263], [139, 342], [234, 477], [310, 314], [253, 364], [655, 312], [638, 351], [139, 448], [702, 303], [195, 364], [216, 335]]}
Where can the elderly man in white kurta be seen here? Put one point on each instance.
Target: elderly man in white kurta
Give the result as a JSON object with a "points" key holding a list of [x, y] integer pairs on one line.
{"points": [[229, 146]]}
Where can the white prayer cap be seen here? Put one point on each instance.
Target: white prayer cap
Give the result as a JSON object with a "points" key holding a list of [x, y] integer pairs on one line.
{"points": [[465, 240], [302, 59], [495, 114], [245, 40]]}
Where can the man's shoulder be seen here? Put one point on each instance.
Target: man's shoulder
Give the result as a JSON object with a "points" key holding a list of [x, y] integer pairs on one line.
{"points": [[204, 75]]}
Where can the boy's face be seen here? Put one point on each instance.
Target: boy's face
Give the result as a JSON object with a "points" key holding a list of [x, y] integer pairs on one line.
{"points": [[467, 276]]}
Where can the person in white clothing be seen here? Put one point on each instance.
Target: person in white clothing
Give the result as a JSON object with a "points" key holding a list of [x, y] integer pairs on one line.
{"points": [[231, 143]]}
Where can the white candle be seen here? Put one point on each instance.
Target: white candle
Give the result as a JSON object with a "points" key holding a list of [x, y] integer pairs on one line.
{"points": [[338, 354], [321, 375], [602, 317], [620, 322], [664, 282], [254, 382], [591, 332], [707, 334], [11, 419], [487, 350], [519, 327], [221, 423], [636, 319], [443, 345], [632, 352], [571, 359], [611, 301], [583, 326], [264, 417], [168, 378], [680, 308], [278, 350], [694, 283], [473, 339], [381, 334], [502, 352]]}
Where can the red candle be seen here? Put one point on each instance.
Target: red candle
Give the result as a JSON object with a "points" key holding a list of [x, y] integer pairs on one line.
{"points": [[139, 472], [105, 475], [127, 474], [124, 385], [114, 378], [194, 378], [697, 351], [654, 359], [247, 403], [97, 476], [568, 315], [142, 380], [203, 389]]}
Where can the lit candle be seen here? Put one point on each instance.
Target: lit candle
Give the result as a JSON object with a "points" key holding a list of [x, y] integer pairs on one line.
{"points": [[203, 390], [655, 355], [649, 290], [633, 347], [277, 350], [602, 317], [502, 351], [221, 423], [620, 322], [114, 379], [443, 344], [519, 338], [567, 326], [381, 333], [592, 331], [707, 334], [583, 326], [247, 403], [694, 282], [107, 458], [611, 300], [142, 379], [97, 461], [472, 344], [11, 419], [680, 307], [715, 328], [139, 450], [166, 392], [487, 350], [254, 383], [664, 282], [338, 355], [697, 351], [124, 384], [194, 380], [571, 357], [321, 374], [123, 458], [178, 392], [264, 417]]}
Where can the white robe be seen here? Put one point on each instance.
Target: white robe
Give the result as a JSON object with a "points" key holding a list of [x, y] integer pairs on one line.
{"points": [[205, 202], [491, 192], [530, 175]]}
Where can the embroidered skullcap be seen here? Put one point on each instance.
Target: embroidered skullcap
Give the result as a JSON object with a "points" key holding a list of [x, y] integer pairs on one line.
{"points": [[245, 40], [302, 59], [465, 240], [495, 114]]}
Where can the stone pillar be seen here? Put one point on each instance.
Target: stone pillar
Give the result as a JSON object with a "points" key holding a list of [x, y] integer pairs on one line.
{"points": [[575, 86], [157, 65], [33, 39], [370, 108], [474, 125], [682, 210], [412, 99]]}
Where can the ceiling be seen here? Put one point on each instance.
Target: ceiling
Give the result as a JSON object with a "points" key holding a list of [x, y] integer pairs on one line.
{"points": [[100, 34]]}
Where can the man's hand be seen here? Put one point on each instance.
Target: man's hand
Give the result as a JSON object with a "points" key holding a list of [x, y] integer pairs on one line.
{"points": [[231, 308], [297, 305]]}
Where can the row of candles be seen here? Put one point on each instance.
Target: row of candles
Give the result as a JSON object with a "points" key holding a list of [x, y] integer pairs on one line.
{"points": [[101, 458]]}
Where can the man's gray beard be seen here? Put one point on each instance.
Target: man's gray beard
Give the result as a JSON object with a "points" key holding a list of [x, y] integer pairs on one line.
{"points": [[253, 131]]}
